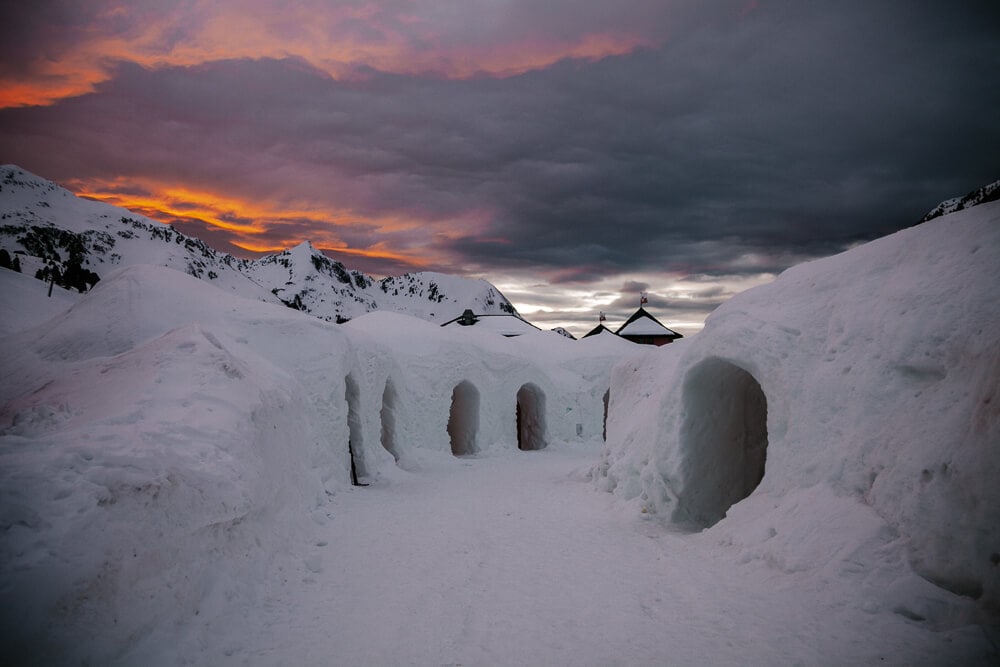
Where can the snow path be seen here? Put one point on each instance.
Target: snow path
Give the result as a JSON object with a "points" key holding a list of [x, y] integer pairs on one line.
{"points": [[515, 560]]}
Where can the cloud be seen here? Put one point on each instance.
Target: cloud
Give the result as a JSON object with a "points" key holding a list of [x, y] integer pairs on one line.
{"points": [[61, 49], [709, 144]]}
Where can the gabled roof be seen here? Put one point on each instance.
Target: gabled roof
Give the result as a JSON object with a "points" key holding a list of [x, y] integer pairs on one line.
{"points": [[643, 324], [502, 323], [600, 328]]}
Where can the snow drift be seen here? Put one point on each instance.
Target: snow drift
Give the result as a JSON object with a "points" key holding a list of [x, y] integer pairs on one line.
{"points": [[865, 382]]}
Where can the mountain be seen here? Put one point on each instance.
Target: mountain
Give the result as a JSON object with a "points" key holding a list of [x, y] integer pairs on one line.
{"points": [[56, 235], [987, 193]]}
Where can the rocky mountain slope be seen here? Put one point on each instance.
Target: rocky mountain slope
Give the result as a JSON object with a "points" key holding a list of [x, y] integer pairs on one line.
{"points": [[55, 235], [982, 195]]}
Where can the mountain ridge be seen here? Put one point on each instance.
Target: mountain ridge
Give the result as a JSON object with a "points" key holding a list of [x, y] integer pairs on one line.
{"points": [[987, 193], [73, 241]]}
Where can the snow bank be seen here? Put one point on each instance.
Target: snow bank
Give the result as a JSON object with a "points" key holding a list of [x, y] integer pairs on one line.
{"points": [[159, 448], [872, 374], [162, 443]]}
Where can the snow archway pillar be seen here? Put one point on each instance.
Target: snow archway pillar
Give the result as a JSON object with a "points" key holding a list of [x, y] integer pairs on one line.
{"points": [[723, 440], [463, 420], [355, 445], [531, 425]]}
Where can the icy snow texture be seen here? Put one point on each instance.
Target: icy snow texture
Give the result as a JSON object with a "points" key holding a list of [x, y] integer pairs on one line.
{"points": [[871, 378]]}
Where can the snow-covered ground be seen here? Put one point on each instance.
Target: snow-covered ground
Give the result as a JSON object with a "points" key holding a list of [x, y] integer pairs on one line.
{"points": [[514, 560], [810, 480]]}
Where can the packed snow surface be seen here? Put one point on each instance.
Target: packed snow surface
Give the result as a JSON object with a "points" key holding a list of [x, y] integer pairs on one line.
{"points": [[810, 480]]}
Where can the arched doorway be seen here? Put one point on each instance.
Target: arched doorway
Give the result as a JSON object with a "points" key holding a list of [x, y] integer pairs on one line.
{"points": [[355, 444], [723, 440], [607, 402], [530, 417], [463, 420], [388, 417]]}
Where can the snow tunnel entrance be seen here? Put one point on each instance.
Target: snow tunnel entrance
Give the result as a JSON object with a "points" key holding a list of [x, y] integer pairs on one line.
{"points": [[530, 417], [463, 420], [723, 440], [354, 443], [388, 416]]}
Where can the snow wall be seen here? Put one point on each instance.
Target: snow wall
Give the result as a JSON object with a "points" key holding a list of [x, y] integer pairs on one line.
{"points": [[856, 393], [162, 441]]}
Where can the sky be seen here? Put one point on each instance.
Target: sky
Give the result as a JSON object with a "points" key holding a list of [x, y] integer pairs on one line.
{"points": [[574, 153]]}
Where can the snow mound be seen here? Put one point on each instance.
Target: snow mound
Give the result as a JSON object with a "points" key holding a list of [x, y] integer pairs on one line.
{"points": [[147, 486], [870, 379]]}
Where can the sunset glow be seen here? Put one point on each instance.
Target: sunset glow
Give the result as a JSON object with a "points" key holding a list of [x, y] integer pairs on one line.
{"points": [[573, 153], [330, 41], [255, 226]]}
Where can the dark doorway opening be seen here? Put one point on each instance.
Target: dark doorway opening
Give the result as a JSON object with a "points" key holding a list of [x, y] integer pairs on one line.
{"points": [[463, 420], [530, 417]]}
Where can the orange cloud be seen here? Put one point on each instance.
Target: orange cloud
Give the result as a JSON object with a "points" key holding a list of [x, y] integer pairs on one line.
{"points": [[260, 226], [327, 38]]}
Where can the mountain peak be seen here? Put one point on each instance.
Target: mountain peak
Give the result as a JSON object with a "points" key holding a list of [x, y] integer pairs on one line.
{"points": [[56, 234]]}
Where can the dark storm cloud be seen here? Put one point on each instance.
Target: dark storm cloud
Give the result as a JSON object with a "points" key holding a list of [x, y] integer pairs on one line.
{"points": [[746, 142]]}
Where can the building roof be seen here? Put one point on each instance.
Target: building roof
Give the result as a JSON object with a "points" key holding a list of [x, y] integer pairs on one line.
{"points": [[643, 324], [505, 324], [600, 328]]}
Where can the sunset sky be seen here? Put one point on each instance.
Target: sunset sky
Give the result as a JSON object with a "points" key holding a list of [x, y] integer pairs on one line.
{"points": [[573, 152]]}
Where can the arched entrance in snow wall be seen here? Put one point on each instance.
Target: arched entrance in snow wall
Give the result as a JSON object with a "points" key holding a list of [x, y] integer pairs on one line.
{"points": [[463, 420], [355, 446], [723, 440], [604, 427], [388, 418], [530, 417]]}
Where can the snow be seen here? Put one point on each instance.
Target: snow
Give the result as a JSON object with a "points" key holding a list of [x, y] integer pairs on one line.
{"points": [[875, 373], [176, 476], [643, 326], [24, 301]]}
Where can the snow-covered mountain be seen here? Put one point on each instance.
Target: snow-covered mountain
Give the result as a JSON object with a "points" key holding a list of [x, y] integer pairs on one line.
{"points": [[50, 231], [982, 195]]}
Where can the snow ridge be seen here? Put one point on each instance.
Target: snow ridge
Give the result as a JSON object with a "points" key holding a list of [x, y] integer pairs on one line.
{"points": [[982, 195]]}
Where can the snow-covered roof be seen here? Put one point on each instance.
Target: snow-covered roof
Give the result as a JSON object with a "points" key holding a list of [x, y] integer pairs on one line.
{"points": [[600, 328], [643, 324], [503, 324]]}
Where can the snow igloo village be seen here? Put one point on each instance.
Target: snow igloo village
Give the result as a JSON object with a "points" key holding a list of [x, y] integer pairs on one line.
{"points": [[213, 461]]}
